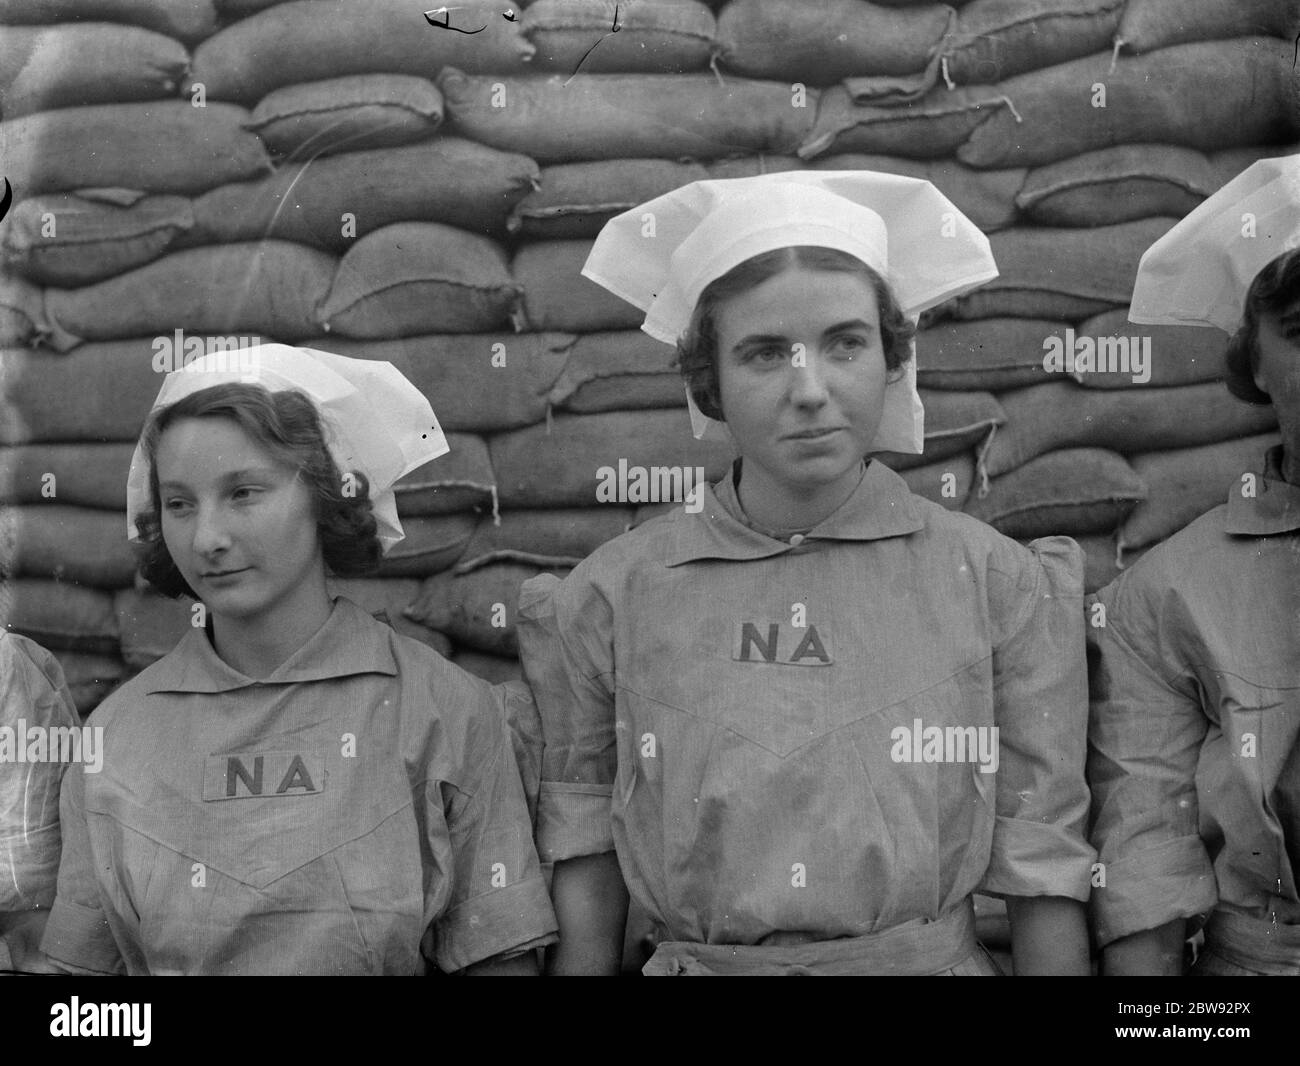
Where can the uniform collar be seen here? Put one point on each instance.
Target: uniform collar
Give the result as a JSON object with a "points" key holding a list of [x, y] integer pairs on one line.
{"points": [[350, 642], [1275, 507], [881, 506]]}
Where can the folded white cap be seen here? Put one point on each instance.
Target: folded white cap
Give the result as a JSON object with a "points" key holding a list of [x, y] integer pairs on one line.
{"points": [[661, 255], [375, 421], [1198, 273]]}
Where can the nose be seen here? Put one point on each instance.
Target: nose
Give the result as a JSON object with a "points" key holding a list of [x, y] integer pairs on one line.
{"points": [[808, 381], [210, 535]]}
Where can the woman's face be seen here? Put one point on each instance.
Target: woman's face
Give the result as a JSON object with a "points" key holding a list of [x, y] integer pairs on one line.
{"points": [[238, 522], [1278, 373], [802, 375]]}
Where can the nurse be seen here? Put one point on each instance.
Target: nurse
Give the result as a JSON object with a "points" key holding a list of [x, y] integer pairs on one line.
{"points": [[1195, 734], [295, 788], [803, 725]]}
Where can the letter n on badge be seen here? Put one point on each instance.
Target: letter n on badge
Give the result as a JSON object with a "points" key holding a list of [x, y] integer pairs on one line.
{"points": [[262, 775], [779, 642]]}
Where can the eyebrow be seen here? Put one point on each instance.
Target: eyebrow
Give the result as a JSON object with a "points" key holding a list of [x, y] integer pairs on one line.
{"points": [[267, 472], [772, 338]]}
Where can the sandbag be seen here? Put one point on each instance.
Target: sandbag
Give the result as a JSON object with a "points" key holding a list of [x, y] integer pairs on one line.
{"points": [[68, 241], [1067, 274], [1078, 490], [560, 464], [45, 67], [347, 114], [616, 116], [460, 480], [464, 377], [988, 353], [1112, 185], [151, 625], [995, 39], [1185, 483], [22, 312], [477, 609], [91, 676], [653, 36], [1206, 95], [1101, 562], [550, 537], [59, 615], [84, 475], [331, 202], [955, 422], [270, 288], [385, 598], [623, 370], [431, 544], [309, 40], [576, 199], [1044, 418], [929, 128], [1174, 355], [186, 20], [986, 197], [556, 295], [821, 42], [1151, 24], [160, 146], [947, 482], [495, 669], [1229, 162], [68, 543], [419, 277]]}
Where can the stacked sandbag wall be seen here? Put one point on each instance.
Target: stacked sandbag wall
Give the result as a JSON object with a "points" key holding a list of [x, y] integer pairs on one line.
{"points": [[199, 175]]}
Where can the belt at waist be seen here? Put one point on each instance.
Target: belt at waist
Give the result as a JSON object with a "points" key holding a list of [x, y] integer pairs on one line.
{"points": [[1254, 943], [915, 948]]}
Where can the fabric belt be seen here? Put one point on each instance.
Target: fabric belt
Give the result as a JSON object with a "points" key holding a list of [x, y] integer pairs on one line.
{"points": [[915, 948], [1254, 943]]}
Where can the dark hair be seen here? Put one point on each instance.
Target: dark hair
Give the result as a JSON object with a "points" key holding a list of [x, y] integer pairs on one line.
{"points": [[1275, 288], [286, 424], [697, 349]]}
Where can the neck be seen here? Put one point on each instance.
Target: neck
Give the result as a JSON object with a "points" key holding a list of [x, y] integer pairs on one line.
{"points": [[777, 505], [257, 645], [1290, 464]]}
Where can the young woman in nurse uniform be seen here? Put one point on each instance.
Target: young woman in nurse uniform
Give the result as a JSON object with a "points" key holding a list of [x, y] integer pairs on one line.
{"points": [[741, 705], [295, 788]]}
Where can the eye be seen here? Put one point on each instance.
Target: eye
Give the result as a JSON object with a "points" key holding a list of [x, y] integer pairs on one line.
{"points": [[766, 355], [851, 343], [175, 506], [245, 492]]}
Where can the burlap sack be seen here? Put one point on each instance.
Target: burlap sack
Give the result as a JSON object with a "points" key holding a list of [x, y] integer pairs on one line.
{"points": [[495, 669], [268, 288], [549, 538], [1045, 418], [22, 312], [477, 609], [955, 422], [58, 540], [623, 370], [556, 296], [996, 39], [987, 353], [1179, 355], [1206, 95], [947, 482], [1112, 185], [333, 201], [70, 240], [419, 277], [461, 480], [653, 36], [59, 615], [186, 20], [44, 67], [160, 146], [347, 114], [385, 598], [431, 544], [91, 676], [1078, 490], [84, 475], [1151, 24], [618, 116], [1183, 484], [309, 40]]}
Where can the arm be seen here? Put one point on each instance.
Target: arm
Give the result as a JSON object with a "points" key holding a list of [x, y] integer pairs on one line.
{"points": [[1049, 936], [1157, 951], [524, 965], [591, 906]]}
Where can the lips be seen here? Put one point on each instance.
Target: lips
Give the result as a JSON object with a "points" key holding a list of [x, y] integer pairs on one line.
{"points": [[222, 573], [813, 434]]}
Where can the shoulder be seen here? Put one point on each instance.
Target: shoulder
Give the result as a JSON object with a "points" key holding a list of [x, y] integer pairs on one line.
{"points": [[31, 682], [1193, 561]]}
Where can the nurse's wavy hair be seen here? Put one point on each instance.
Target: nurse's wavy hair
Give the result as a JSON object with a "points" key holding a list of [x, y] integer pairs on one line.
{"points": [[287, 424], [1274, 289], [697, 349]]}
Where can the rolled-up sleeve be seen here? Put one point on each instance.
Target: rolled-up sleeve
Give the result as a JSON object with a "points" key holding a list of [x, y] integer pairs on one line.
{"points": [[1145, 736], [1041, 710], [499, 904], [564, 644], [78, 932]]}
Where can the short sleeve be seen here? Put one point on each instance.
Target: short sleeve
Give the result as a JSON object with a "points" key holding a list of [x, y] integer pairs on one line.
{"points": [[565, 647], [519, 712], [1145, 733], [78, 932], [499, 904], [1041, 712], [33, 695]]}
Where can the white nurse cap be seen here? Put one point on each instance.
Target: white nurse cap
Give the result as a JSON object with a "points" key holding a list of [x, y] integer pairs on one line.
{"points": [[1198, 273], [661, 255], [376, 422]]}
